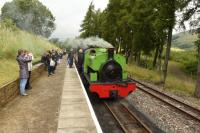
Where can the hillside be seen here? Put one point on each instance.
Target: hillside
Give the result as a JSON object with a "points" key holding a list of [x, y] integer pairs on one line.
{"points": [[184, 40], [10, 42]]}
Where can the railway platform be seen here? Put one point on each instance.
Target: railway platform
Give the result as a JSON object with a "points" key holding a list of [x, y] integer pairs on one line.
{"points": [[57, 103], [76, 113]]}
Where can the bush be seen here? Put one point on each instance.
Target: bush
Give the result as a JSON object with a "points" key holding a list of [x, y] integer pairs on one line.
{"points": [[8, 24], [188, 59]]}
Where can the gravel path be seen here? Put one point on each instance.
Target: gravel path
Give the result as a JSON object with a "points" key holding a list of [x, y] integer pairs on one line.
{"points": [[37, 112]]}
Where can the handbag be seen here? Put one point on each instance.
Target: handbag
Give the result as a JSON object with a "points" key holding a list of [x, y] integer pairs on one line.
{"points": [[52, 62]]}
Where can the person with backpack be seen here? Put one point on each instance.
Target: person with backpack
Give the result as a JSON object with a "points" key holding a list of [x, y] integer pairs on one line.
{"points": [[50, 63]]}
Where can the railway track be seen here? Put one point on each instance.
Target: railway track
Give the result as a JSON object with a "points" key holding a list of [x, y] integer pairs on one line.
{"points": [[187, 109], [128, 121]]}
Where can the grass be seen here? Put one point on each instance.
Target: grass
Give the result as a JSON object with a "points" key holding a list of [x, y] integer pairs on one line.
{"points": [[8, 71], [10, 42], [173, 84]]}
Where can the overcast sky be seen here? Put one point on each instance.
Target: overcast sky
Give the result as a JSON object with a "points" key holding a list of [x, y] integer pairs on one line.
{"points": [[69, 14]]}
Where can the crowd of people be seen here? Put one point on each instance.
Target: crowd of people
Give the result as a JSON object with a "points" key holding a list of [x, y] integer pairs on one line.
{"points": [[51, 59], [78, 59]]}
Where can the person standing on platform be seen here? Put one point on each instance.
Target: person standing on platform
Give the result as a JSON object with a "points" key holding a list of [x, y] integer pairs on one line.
{"points": [[49, 62], [23, 66], [30, 67], [70, 58], [80, 61], [55, 59]]}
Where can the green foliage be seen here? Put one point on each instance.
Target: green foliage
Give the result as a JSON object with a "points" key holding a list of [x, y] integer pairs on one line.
{"points": [[142, 24], [88, 25], [29, 15], [9, 24], [183, 56], [188, 59]]}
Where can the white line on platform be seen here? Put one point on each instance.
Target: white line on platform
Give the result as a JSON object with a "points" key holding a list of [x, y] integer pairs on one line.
{"points": [[98, 127]]}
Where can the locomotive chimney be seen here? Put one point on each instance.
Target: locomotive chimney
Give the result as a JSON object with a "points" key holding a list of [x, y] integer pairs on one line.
{"points": [[110, 53]]}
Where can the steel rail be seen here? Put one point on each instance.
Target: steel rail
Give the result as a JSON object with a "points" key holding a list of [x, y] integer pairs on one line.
{"points": [[116, 118], [170, 101], [132, 116]]}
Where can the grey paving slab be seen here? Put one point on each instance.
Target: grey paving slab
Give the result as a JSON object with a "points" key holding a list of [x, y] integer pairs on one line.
{"points": [[73, 101], [78, 130], [75, 122], [73, 110], [73, 92]]}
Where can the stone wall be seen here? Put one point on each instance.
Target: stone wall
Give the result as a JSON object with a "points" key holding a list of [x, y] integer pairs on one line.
{"points": [[11, 90]]}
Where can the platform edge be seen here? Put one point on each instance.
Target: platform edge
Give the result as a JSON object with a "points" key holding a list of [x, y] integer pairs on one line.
{"points": [[98, 127]]}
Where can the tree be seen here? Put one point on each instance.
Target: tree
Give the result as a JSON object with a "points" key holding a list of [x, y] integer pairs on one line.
{"points": [[190, 12], [29, 15], [143, 30], [113, 31], [56, 42], [197, 89], [88, 26], [168, 9], [197, 24]]}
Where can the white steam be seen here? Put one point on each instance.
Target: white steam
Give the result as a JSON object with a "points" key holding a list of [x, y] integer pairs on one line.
{"points": [[88, 42]]}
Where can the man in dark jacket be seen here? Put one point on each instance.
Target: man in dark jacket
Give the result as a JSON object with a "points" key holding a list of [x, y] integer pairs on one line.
{"points": [[80, 61], [23, 66], [55, 59], [48, 62], [70, 58]]}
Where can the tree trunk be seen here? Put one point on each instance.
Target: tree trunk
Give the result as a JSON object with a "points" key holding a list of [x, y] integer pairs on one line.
{"points": [[156, 57], [168, 49], [135, 55], [160, 58], [117, 49], [138, 58], [197, 89]]}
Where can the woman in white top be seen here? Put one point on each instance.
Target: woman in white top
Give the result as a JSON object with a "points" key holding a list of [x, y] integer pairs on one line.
{"points": [[30, 67]]}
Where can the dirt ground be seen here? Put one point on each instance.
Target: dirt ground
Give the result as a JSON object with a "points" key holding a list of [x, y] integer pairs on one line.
{"points": [[37, 112]]}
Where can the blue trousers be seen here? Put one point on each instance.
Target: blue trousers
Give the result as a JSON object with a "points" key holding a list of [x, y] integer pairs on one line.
{"points": [[22, 86], [50, 69]]}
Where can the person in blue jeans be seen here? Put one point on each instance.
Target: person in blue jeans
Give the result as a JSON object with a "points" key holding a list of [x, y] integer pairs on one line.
{"points": [[23, 59]]}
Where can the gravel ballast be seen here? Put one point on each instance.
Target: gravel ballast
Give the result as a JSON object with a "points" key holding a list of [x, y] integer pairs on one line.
{"points": [[164, 116]]}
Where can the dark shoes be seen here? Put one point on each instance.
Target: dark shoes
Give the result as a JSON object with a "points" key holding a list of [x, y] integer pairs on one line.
{"points": [[29, 88]]}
